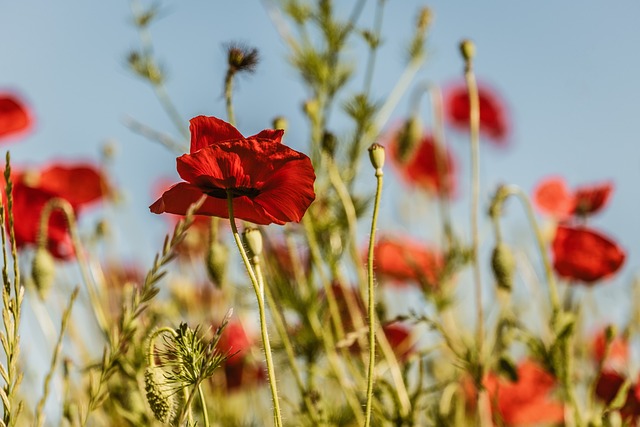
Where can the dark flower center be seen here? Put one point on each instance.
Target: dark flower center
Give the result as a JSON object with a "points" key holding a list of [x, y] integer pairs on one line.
{"points": [[221, 193]]}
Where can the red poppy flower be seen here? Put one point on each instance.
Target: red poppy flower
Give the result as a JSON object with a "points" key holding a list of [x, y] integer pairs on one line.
{"points": [[403, 260], [607, 387], [554, 198], [585, 255], [14, 116], [493, 113], [269, 182], [239, 369], [399, 337], [618, 357], [524, 402], [81, 185], [425, 166]]}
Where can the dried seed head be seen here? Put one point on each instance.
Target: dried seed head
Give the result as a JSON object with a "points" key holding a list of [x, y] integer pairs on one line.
{"points": [[242, 58]]}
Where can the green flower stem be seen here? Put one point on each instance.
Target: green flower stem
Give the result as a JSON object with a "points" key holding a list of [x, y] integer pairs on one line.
{"points": [[54, 359], [67, 210], [263, 319], [474, 131], [373, 50], [371, 309], [228, 92], [284, 336], [203, 403]]}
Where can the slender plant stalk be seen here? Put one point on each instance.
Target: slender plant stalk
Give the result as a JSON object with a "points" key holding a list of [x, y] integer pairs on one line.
{"points": [[261, 309], [228, 97], [371, 60], [474, 132], [284, 336], [54, 359], [67, 210], [203, 403], [371, 308]]}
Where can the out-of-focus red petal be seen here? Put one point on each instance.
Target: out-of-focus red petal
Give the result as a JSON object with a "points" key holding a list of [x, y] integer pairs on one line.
{"points": [[526, 401], [618, 356], [585, 255], [210, 130], [493, 115], [591, 199], [407, 260], [608, 385], [553, 197], [79, 185], [14, 115], [428, 167], [399, 337]]}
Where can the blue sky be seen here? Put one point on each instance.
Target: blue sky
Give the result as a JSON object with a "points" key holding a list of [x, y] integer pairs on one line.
{"points": [[568, 71]]}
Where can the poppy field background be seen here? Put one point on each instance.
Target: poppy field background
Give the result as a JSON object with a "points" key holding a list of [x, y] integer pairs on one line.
{"points": [[565, 75]]}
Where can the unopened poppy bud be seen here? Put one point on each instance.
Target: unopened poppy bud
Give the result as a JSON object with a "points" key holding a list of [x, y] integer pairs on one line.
{"points": [[424, 19], [162, 401], [43, 271], [329, 142], [216, 261], [253, 240], [503, 265], [280, 122], [610, 332], [376, 154], [310, 107], [409, 137], [468, 49]]}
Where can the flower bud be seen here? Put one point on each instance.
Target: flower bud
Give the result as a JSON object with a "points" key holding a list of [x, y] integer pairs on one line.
{"points": [[376, 155], [329, 142], [468, 49], [280, 122], [217, 259], [253, 240], [503, 265], [409, 137], [43, 271]]}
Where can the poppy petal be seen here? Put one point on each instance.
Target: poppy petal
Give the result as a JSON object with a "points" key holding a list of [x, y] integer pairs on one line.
{"points": [[592, 199], [585, 255], [14, 115], [206, 131], [274, 135], [79, 185], [553, 197]]}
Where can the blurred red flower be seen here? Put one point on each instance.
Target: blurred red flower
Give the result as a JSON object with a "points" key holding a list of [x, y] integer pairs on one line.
{"points": [[403, 259], [607, 388], [426, 166], [553, 197], [269, 182], [523, 402], [493, 112], [618, 357], [14, 115], [399, 337], [239, 369], [585, 255], [80, 184]]}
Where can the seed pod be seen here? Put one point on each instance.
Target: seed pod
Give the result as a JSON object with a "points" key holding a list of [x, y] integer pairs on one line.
{"points": [[376, 155], [162, 402]]}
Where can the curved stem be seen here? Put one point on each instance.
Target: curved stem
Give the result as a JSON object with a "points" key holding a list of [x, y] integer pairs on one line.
{"points": [[371, 308], [263, 318]]}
